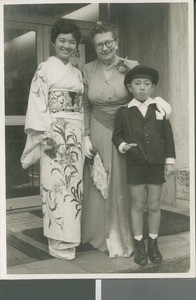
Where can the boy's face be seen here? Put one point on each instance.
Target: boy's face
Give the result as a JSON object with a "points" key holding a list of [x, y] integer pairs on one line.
{"points": [[141, 88]]}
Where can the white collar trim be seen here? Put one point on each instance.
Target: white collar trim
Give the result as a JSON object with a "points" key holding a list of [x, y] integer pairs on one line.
{"points": [[137, 103]]}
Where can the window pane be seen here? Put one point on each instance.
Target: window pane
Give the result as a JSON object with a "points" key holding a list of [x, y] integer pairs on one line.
{"points": [[19, 182], [20, 65]]}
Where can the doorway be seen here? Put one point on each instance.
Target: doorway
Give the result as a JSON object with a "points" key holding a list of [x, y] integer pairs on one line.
{"points": [[27, 43]]}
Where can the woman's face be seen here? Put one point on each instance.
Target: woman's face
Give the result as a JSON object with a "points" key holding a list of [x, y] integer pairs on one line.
{"points": [[65, 45], [105, 46]]}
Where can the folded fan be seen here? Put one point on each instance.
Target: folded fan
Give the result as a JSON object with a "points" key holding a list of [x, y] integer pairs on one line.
{"points": [[99, 174]]}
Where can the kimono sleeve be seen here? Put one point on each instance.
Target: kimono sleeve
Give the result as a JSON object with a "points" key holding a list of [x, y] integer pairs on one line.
{"points": [[38, 119], [87, 105], [38, 116]]}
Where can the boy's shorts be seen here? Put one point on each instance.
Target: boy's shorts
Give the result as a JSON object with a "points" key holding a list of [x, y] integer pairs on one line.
{"points": [[145, 174]]}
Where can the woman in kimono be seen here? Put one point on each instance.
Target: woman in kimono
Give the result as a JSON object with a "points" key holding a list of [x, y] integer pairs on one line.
{"points": [[106, 220], [54, 125]]}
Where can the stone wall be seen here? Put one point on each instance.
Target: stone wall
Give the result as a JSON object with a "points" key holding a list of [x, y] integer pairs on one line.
{"points": [[182, 185], [178, 85], [177, 187], [176, 191]]}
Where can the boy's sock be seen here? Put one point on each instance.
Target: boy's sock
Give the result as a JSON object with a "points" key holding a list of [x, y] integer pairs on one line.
{"points": [[153, 235], [138, 237]]}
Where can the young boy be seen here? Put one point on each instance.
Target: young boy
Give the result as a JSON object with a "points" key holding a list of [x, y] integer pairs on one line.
{"points": [[146, 137]]}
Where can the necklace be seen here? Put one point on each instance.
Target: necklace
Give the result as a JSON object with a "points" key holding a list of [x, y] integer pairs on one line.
{"points": [[108, 70], [110, 67]]}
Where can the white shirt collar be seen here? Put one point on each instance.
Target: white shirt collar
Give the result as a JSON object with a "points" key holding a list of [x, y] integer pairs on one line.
{"points": [[137, 103]]}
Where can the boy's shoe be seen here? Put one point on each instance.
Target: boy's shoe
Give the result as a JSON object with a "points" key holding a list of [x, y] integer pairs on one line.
{"points": [[140, 255], [153, 251]]}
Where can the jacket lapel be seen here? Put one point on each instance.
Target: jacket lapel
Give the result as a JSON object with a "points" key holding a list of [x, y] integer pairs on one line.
{"points": [[150, 111], [137, 112]]}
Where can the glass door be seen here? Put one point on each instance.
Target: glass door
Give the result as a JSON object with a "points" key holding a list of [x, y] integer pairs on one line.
{"points": [[26, 45], [22, 54]]}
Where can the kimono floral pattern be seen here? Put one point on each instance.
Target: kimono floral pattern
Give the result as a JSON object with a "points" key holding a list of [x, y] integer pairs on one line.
{"points": [[61, 187], [39, 83]]}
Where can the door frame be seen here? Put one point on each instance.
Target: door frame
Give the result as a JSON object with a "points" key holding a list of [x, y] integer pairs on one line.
{"points": [[20, 120], [15, 120]]}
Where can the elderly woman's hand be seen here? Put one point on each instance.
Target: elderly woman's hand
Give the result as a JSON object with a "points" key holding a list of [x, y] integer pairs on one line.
{"points": [[163, 107], [88, 147]]}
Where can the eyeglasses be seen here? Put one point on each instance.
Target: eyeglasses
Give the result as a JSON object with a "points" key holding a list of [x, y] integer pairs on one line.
{"points": [[108, 44]]}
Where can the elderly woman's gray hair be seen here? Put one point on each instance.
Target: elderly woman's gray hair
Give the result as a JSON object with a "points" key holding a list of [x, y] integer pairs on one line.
{"points": [[103, 28]]}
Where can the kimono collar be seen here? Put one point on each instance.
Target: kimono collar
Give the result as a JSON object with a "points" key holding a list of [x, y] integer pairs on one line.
{"points": [[55, 60]]}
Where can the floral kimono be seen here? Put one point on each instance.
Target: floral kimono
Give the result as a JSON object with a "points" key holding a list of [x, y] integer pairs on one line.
{"points": [[54, 124]]}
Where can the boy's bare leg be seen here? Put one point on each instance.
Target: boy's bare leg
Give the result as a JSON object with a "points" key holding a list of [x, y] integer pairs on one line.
{"points": [[153, 204], [138, 201], [154, 216], [137, 194]]}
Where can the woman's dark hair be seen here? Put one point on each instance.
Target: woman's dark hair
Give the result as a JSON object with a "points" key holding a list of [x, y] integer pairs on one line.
{"points": [[105, 27], [65, 26]]}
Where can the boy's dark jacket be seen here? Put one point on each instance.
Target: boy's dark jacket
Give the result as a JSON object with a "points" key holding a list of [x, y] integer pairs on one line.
{"points": [[154, 137]]}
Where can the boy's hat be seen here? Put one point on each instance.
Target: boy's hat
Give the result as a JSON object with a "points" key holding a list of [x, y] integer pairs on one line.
{"points": [[141, 72]]}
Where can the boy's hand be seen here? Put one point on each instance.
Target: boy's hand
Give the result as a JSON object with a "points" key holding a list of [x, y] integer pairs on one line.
{"points": [[128, 146], [169, 169]]}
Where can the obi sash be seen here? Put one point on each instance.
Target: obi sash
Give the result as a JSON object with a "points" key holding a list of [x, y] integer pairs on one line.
{"points": [[64, 101]]}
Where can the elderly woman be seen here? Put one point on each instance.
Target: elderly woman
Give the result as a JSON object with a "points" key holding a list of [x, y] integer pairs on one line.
{"points": [[54, 125], [106, 219]]}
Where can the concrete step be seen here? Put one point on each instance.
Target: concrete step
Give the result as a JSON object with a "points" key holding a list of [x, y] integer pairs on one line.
{"points": [[174, 248]]}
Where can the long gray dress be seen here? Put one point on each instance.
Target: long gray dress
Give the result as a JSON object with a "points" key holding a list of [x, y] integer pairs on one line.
{"points": [[106, 223]]}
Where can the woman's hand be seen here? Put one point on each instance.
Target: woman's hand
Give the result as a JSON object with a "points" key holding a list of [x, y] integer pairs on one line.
{"points": [[88, 147], [128, 146], [163, 107], [169, 169], [45, 135]]}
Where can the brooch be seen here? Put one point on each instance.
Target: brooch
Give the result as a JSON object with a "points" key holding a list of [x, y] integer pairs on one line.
{"points": [[122, 67]]}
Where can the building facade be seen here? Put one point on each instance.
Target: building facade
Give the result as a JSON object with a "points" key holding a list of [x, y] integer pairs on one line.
{"points": [[155, 34]]}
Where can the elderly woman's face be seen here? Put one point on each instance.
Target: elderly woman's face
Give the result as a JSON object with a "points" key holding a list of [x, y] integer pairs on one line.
{"points": [[105, 45], [65, 45]]}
